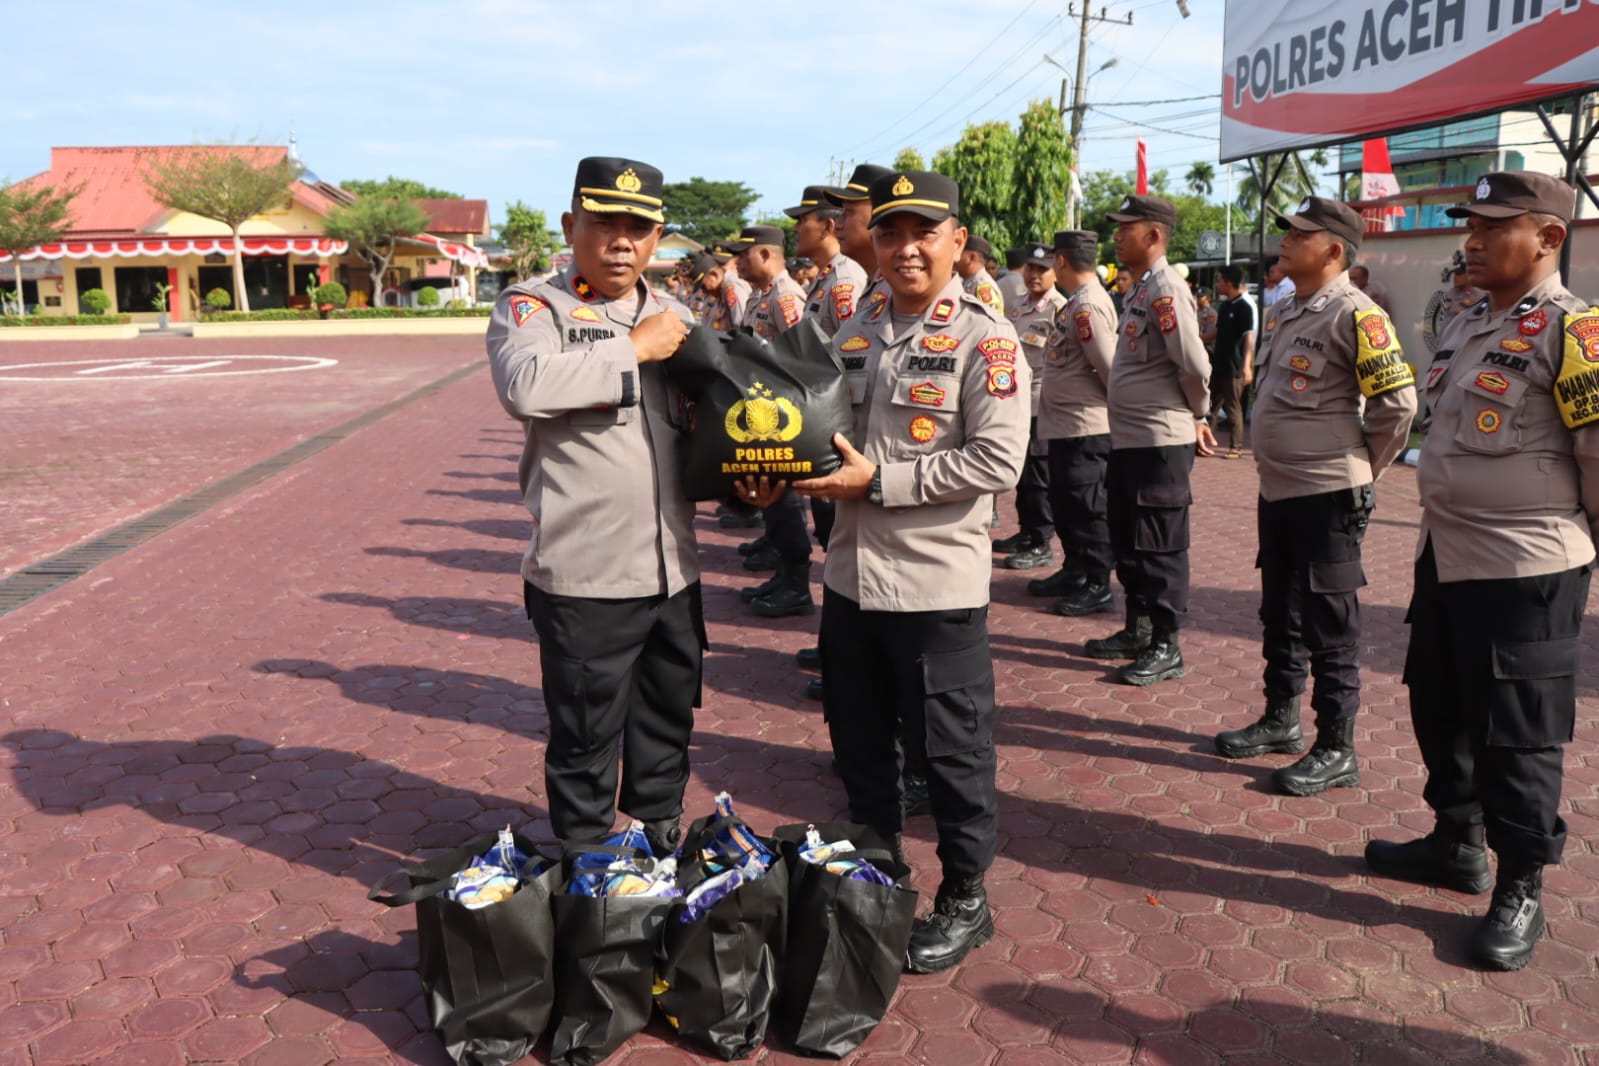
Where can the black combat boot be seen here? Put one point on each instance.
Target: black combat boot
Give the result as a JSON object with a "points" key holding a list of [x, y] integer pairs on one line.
{"points": [[763, 560], [809, 658], [1330, 763], [1450, 857], [754, 519], [913, 799], [664, 836], [1277, 731], [1030, 558], [1505, 938], [813, 689], [960, 922], [1014, 543], [1093, 596], [1126, 643], [750, 547], [1062, 582], [751, 593], [793, 594], [1162, 660]]}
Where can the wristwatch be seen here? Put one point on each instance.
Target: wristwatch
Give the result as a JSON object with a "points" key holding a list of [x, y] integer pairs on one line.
{"points": [[874, 492]]}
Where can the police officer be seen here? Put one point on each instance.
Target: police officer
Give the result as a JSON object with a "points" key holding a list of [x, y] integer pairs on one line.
{"points": [[972, 266], [1159, 388], [1074, 423], [611, 578], [1445, 304], [942, 421], [1333, 404], [776, 305], [1012, 286], [831, 300], [727, 294], [855, 235], [1509, 484], [1033, 317]]}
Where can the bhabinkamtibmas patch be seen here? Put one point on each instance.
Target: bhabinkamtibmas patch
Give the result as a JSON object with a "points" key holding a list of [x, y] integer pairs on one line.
{"points": [[1577, 384], [1380, 365]]}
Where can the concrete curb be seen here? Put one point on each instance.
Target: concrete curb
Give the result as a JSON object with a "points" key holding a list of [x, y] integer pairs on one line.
{"points": [[76, 333], [363, 327]]}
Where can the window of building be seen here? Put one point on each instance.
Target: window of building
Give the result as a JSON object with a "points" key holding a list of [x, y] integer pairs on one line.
{"points": [[136, 288], [87, 278]]}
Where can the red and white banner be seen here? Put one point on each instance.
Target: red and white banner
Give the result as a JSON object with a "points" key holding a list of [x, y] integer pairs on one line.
{"points": [[1300, 73], [161, 247], [1142, 188]]}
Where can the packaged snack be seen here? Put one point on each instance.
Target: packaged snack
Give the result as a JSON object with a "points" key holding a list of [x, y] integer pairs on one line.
{"points": [[493, 876], [733, 846], [834, 857]]}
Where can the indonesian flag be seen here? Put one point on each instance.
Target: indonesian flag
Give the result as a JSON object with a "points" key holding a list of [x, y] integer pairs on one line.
{"points": [[1377, 179], [1143, 168]]}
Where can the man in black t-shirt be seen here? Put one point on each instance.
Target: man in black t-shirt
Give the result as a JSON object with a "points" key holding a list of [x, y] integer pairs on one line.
{"points": [[1232, 363]]}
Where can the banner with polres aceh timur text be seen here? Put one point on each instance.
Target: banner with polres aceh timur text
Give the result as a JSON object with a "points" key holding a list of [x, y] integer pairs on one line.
{"points": [[1300, 73]]}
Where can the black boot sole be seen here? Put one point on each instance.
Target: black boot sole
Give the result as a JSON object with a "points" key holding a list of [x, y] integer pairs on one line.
{"points": [[1141, 680], [940, 965], [1078, 611], [1014, 563], [1103, 653], [1294, 788], [1287, 747], [766, 610]]}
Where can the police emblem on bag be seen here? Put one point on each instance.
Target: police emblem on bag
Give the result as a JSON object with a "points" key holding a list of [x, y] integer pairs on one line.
{"points": [[761, 417]]}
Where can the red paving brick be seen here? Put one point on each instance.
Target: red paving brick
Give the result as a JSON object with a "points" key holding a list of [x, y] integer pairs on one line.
{"points": [[215, 743]]}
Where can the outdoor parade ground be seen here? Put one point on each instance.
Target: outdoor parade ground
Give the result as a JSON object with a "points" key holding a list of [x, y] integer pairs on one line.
{"points": [[222, 725]]}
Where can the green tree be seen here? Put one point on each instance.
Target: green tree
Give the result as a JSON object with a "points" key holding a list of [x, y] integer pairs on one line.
{"points": [[30, 216], [526, 234], [1201, 179], [707, 211], [1294, 180], [983, 164], [224, 184], [1103, 192], [392, 188], [909, 159], [373, 227], [1195, 215], [1043, 175], [786, 224]]}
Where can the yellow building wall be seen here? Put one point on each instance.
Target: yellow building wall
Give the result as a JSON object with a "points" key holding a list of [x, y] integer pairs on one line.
{"points": [[297, 220]]}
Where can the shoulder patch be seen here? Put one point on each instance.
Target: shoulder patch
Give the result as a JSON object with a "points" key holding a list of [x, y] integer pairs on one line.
{"points": [[1577, 384], [940, 342], [1165, 314], [790, 308], [525, 307], [1085, 325], [1002, 380], [988, 294], [844, 300], [998, 349], [585, 314], [854, 344], [1380, 365]]}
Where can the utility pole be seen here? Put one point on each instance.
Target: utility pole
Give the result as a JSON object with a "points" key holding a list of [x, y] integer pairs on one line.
{"points": [[1080, 90]]}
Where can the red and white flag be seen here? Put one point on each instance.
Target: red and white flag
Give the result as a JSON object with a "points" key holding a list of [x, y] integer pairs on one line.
{"points": [[1377, 180], [1143, 168]]}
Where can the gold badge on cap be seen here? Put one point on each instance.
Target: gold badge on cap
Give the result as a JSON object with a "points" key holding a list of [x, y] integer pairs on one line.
{"points": [[628, 181], [903, 186], [1484, 190]]}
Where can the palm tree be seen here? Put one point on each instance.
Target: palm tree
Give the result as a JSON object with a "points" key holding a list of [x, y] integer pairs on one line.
{"points": [[1201, 178], [1293, 180]]}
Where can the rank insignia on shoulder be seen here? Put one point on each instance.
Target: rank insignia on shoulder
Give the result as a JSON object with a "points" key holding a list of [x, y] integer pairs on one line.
{"points": [[1436, 372], [1318, 303], [1527, 304], [585, 314], [1534, 324], [584, 291], [943, 311], [855, 344], [525, 307], [940, 342]]}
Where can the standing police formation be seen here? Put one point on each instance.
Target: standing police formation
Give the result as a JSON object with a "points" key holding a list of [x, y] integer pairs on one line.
{"points": [[959, 383]]}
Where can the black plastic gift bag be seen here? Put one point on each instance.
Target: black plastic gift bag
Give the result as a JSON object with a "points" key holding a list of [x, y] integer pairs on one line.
{"points": [[487, 973], [604, 964], [718, 971], [759, 407], [846, 943]]}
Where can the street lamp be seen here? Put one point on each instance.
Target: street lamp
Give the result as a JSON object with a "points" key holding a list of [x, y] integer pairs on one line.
{"points": [[1079, 106]]}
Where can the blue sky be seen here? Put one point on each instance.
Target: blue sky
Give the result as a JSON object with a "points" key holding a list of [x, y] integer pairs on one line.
{"points": [[497, 99]]}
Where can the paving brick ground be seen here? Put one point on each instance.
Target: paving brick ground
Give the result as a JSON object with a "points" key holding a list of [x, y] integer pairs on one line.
{"points": [[213, 744]]}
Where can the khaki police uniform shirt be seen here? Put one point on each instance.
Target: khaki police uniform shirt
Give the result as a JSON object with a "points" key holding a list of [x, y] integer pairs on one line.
{"points": [[1160, 378], [1509, 474], [599, 467], [986, 289], [1033, 319], [726, 313], [1077, 366], [776, 308], [1444, 305], [941, 408], [1319, 357], [1012, 287], [835, 293]]}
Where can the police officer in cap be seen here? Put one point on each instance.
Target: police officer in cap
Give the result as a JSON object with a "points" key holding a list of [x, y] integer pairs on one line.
{"points": [[1159, 392], [1033, 317], [1334, 401], [973, 269], [942, 423], [1074, 423], [1509, 485], [855, 235], [1012, 286], [611, 578], [728, 294]]}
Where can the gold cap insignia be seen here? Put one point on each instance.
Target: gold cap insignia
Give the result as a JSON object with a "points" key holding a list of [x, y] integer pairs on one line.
{"points": [[903, 186], [629, 181]]}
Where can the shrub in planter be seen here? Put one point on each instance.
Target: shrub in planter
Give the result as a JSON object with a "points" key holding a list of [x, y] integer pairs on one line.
{"points": [[427, 297], [218, 299], [331, 296], [95, 301]]}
